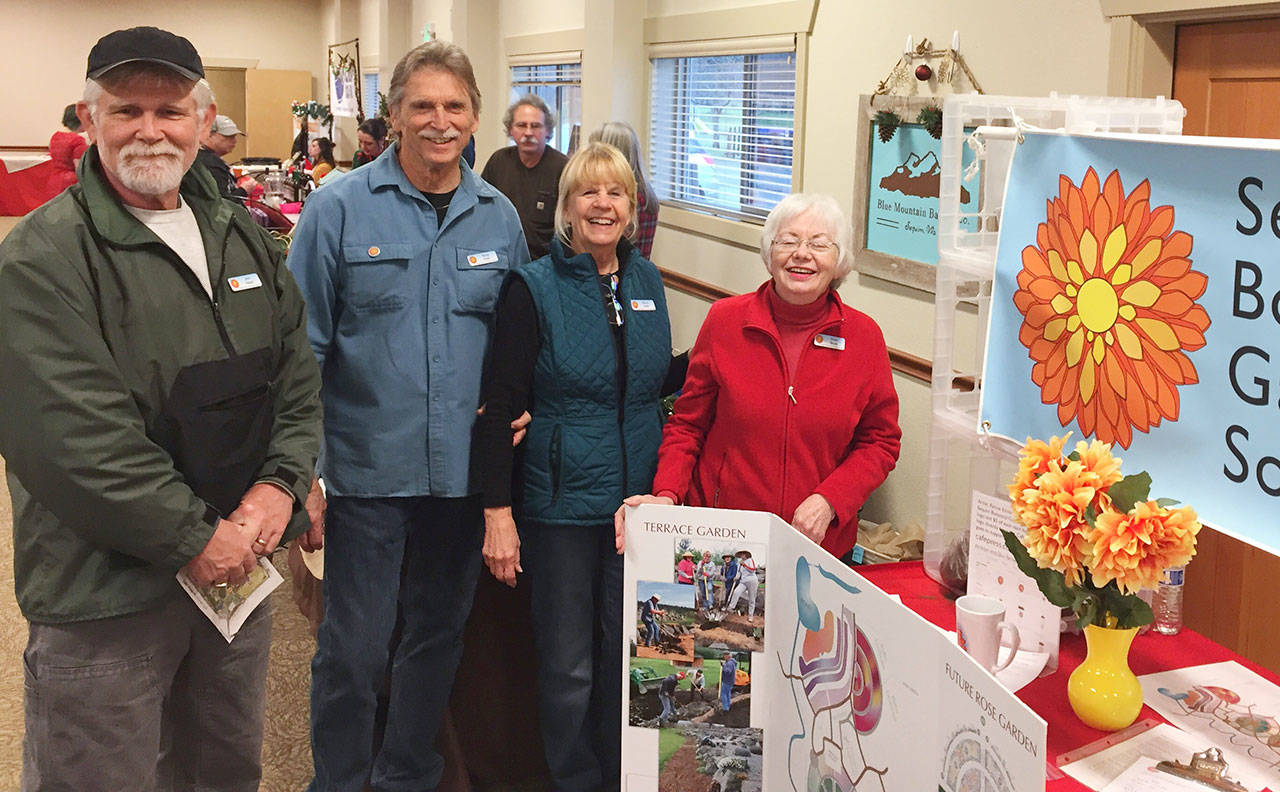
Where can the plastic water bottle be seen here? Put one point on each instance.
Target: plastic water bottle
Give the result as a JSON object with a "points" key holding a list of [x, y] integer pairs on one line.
{"points": [[1168, 604]]}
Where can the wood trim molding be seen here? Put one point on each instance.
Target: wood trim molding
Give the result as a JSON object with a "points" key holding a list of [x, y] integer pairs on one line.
{"points": [[27, 149], [904, 363]]}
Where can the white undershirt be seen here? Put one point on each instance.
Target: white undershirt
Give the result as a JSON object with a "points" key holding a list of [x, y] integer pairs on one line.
{"points": [[178, 229]]}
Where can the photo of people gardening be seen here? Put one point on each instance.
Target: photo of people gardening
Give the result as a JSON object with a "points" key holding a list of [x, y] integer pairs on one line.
{"points": [[728, 587], [702, 713]]}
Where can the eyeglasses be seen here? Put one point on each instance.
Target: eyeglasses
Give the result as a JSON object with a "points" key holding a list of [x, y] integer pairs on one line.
{"points": [[817, 245], [615, 318]]}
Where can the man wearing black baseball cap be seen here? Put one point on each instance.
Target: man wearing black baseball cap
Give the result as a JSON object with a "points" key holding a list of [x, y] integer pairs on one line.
{"points": [[159, 415]]}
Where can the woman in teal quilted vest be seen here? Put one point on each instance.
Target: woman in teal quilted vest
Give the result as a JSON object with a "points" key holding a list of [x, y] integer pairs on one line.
{"points": [[584, 344]]}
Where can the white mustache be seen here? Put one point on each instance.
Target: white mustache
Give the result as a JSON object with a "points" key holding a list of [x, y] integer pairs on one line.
{"points": [[138, 150], [448, 134], [529, 139]]}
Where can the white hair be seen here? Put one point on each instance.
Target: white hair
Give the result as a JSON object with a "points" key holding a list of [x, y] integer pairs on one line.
{"points": [[93, 89], [823, 207]]}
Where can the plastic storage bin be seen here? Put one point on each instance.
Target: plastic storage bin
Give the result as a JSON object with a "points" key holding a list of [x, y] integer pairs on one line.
{"points": [[961, 458]]}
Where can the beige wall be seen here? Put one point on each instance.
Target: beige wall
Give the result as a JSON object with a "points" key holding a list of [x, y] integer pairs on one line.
{"points": [[44, 45], [850, 51]]}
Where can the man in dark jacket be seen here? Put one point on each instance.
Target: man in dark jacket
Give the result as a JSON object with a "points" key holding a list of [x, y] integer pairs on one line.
{"points": [[217, 143], [160, 417]]}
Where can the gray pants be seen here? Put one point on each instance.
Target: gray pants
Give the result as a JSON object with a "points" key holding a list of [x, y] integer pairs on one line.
{"points": [[151, 701]]}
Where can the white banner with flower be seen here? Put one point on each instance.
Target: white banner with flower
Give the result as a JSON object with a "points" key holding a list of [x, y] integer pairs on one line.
{"points": [[1137, 301]]}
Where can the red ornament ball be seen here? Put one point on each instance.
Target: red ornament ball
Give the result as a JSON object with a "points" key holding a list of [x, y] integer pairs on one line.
{"points": [[923, 72]]}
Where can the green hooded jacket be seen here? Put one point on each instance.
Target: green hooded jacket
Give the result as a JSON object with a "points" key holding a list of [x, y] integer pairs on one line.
{"points": [[110, 352]]}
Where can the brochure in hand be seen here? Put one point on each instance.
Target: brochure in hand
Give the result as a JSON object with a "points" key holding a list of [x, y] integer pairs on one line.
{"points": [[229, 606]]}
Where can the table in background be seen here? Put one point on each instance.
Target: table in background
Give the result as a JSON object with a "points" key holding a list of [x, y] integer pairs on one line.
{"points": [[1047, 695]]}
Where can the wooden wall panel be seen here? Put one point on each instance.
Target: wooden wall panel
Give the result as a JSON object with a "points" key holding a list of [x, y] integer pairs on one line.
{"points": [[268, 94], [1227, 75]]}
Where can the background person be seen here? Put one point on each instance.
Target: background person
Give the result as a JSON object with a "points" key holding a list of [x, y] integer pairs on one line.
{"points": [[728, 673], [622, 136], [706, 575], [747, 585], [583, 343], [529, 172], [217, 143], [66, 146], [730, 577], [400, 263], [684, 569], [648, 617], [372, 139], [786, 385], [322, 161], [121, 474]]}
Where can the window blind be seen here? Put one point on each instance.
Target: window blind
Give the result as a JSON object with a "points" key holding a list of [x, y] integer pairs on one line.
{"points": [[722, 129]]}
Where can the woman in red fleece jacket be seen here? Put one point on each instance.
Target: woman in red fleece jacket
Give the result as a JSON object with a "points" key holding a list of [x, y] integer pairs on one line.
{"points": [[789, 405]]}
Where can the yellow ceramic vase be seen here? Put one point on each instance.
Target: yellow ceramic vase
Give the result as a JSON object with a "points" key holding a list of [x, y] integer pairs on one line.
{"points": [[1102, 690]]}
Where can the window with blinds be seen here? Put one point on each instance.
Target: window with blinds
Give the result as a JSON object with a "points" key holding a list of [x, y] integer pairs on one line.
{"points": [[722, 130], [557, 84], [369, 93]]}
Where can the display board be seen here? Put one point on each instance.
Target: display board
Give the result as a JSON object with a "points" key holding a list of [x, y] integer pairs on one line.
{"points": [[1135, 301], [835, 685]]}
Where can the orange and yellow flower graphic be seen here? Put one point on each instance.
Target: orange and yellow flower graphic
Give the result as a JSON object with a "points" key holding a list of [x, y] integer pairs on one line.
{"points": [[1108, 302]]}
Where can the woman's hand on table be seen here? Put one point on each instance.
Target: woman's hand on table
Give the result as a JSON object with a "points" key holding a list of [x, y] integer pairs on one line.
{"points": [[620, 517], [501, 545], [813, 517]]}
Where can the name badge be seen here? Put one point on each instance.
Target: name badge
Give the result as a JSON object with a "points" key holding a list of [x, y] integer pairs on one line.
{"points": [[487, 257], [243, 282], [829, 341], [643, 305]]}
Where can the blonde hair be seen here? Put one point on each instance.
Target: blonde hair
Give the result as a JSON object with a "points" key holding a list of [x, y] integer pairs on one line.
{"points": [[595, 163]]}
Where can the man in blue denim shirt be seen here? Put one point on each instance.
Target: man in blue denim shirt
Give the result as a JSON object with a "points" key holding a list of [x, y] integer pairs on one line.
{"points": [[400, 263]]}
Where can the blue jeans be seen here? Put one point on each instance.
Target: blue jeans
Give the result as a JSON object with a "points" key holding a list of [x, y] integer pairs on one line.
{"points": [[651, 631], [575, 589], [725, 692], [420, 553], [668, 708]]}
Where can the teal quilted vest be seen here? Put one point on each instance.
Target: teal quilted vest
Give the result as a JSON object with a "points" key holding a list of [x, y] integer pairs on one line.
{"points": [[590, 446]]}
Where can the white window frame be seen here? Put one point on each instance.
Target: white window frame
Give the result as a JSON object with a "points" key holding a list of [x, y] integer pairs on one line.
{"points": [[692, 157]]}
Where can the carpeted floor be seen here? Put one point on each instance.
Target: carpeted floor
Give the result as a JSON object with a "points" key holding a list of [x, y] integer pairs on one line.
{"points": [[286, 753]]}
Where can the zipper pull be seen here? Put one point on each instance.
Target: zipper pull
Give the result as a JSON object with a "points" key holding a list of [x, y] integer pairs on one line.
{"points": [[791, 394]]}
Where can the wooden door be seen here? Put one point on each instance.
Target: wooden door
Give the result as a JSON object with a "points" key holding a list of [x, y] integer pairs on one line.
{"points": [[228, 91], [1227, 75], [268, 93]]}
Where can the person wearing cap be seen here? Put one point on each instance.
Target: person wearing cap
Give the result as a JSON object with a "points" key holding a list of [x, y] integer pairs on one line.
{"points": [[748, 584], [648, 617], [400, 262], [666, 695], [217, 143], [684, 569], [159, 414], [730, 577]]}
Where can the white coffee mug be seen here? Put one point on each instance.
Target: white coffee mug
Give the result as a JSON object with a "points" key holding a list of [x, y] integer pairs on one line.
{"points": [[978, 627]]}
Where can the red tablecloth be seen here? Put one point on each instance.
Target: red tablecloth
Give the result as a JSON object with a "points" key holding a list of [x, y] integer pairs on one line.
{"points": [[1048, 695]]}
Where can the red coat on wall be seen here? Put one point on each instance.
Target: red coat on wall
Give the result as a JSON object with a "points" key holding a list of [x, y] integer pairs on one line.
{"points": [[748, 434]]}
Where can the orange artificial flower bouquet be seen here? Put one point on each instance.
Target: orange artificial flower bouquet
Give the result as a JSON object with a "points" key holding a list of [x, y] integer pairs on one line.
{"points": [[1094, 539]]}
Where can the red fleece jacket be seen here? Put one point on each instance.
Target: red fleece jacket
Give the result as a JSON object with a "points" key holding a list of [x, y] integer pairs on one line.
{"points": [[749, 434]]}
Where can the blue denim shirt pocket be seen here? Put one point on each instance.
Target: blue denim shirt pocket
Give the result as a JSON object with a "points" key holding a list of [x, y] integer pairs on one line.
{"points": [[377, 277], [379, 288], [480, 274]]}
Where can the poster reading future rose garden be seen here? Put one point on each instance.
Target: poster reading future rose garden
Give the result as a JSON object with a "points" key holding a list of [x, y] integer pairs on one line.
{"points": [[756, 661], [1137, 301]]}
